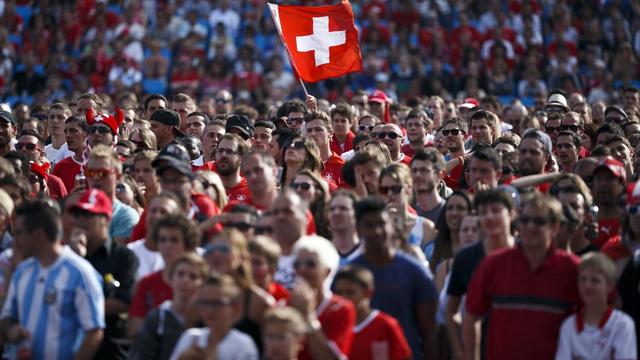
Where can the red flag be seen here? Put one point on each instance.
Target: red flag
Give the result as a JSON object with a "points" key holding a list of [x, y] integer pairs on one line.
{"points": [[322, 41]]}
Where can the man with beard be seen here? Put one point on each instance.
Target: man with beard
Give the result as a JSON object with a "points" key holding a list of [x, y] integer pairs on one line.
{"points": [[418, 130], [427, 170], [367, 165], [535, 151], [455, 133], [260, 172], [229, 153], [567, 146], [210, 137], [7, 131]]}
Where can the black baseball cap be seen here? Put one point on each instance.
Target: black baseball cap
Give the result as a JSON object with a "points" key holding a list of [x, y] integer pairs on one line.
{"points": [[173, 156], [169, 118], [241, 123], [7, 116]]}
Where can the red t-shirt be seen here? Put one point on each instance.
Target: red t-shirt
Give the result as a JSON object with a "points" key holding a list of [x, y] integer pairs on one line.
{"points": [[379, 336], [333, 169], [608, 230], [56, 187], [615, 250], [150, 292], [211, 166], [67, 170], [338, 148], [406, 160], [240, 192], [527, 306], [453, 178], [279, 292], [337, 317]]}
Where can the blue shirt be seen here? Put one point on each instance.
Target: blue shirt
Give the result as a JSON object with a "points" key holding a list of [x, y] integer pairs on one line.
{"points": [[398, 288], [56, 304], [123, 220]]}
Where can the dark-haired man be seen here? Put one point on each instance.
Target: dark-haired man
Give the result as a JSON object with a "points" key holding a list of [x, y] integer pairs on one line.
{"points": [[229, 153], [418, 131], [427, 171], [343, 119]]}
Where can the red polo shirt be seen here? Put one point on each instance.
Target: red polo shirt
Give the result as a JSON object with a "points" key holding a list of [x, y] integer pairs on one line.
{"points": [[240, 192], [527, 306], [336, 147]]}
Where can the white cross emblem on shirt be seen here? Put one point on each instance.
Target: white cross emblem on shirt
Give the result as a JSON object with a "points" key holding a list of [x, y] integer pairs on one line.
{"points": [[321, 40]]}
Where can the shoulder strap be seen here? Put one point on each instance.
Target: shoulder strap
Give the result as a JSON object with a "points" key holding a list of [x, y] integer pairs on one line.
{"points": [[161, 321]]}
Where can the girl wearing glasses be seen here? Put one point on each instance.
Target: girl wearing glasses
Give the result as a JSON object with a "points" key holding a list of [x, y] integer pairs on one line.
{"points": [[228, 253], [315, 191], [396, 188], [301, 153]]}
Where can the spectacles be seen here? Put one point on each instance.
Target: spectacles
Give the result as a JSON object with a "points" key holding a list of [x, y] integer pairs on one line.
{"points": [[365, 127], [572, 128], [221, 248], [297, 145], [298, 121], [536, 220], [395, 189], [301, 186], [309, 264], [239, 226], [454, 132], [223, 151], [99, 129], [551, 129], [99, 173], [633, 209], [28, 146], [262, 230], [215, 304], [390, 135]]}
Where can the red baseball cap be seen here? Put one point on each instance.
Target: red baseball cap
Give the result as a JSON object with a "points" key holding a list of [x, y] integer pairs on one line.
{"points": [[379, 96], [94, 201], [613, 166]]}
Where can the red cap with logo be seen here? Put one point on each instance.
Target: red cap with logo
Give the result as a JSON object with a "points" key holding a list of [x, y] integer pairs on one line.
{"points": [[94, 201], [614, 166]]}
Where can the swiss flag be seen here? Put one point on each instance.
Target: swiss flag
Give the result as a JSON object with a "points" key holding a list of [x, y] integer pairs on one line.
{"points": [[322, 41]]}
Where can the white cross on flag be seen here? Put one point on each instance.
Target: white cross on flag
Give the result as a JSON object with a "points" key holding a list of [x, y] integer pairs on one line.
{"points": [[322, 41]]}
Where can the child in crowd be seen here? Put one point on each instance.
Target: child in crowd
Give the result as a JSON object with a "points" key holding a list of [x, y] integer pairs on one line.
{"points": [[283, 333], [220, 305], [376, 334], [597, 331]]}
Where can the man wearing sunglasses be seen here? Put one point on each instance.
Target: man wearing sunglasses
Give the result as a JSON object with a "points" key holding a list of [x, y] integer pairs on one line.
{"points": [[319, 128], [30, 144], [295, 112], [572, 121], [391, 135], [528, 289], [455, 133]]}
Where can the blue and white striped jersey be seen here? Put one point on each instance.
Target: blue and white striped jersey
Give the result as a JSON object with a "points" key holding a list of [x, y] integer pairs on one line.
{"points": [[56, 304]]}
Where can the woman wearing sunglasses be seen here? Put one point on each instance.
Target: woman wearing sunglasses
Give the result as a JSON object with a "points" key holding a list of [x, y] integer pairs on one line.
{"points": [[228, 253], [301, 153], [396, 188], [315, 191]]}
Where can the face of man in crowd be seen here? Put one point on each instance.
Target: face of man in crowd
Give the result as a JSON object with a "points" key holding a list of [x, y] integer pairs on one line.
{"points": [[84, 105], [210, 138], [74, 135], [100, 134], [416, 130], [227, 157], [536, 228], [55, 120], [195, 126], [295, 121], [261, 177], [481, 132], [183, 109], [454, 137], [621, 152], [289, 219], [262, 138], [533, 157], [606, 188], [319, 132], [495, 220], [483, 174], [341, 125], [425, 177], [566, 150], [144, 174], [369, 174], [102, 175], [437, 109], [155, 104], [30, 146], [176, 182], [376, 229], [7, 132], [552, 127]]}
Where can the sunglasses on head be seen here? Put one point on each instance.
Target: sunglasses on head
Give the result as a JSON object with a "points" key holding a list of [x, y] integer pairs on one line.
{"points": [[99, 173], [390, 135], [297, 145], [454, 132], [309, 264], [366, 127], [536, 220], [301, 186], [395, 189], [99, 129], [27, 146]]}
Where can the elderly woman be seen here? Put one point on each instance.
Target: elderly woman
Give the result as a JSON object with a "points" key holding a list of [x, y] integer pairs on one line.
{"points": [[331, 318]]}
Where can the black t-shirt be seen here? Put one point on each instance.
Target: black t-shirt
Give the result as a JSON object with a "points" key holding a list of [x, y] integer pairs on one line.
{"points": [[464, 265]]}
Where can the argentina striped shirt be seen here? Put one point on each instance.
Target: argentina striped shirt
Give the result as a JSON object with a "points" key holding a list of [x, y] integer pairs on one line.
{"points": [[56, 304]]}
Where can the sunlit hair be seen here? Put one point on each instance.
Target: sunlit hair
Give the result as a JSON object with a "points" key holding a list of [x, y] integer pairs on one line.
{"points": [[287, 316], [242, 274], [600, 263], [324, 250]]}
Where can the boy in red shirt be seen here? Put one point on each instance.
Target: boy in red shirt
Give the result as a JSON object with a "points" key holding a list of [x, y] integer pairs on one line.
{"points": [[376, 334]]}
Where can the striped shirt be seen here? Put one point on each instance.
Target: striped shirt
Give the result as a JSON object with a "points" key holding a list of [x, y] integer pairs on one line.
{"points": [[56, 304]]}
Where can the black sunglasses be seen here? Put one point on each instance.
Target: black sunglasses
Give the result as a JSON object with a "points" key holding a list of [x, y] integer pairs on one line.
{"points": [[99, 129], [295, 120], [297, 145], [536, 220], [366, 127], [263, 230], [20, 146], [390, 135], [395, 189], [550, 129], [301, 186], [239, 226], [572, 128], [454, 132]]}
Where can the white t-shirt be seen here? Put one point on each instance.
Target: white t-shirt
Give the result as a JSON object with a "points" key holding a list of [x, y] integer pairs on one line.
{"points": [[57, 155], [615, 340], [235, 346], [149, 261]]}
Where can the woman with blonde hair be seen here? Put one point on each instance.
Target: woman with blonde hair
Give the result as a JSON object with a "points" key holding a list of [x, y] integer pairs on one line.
{"points": [[228, 253], [209, 183]]}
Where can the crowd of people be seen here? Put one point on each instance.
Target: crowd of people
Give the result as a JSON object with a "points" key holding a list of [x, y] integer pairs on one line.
{"points": [[167, 191]]}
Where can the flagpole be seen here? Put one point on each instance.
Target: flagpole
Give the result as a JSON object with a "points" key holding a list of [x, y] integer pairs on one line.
{"points": [[284, 43]]}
